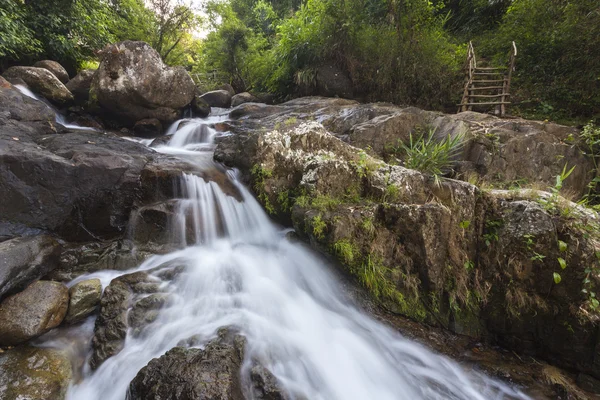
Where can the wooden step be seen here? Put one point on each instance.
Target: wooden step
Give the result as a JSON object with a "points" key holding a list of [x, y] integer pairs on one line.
{"points": [[489, 68], [488, 80], [488, 95], [487, 88], [494, 103], [488, 73]]}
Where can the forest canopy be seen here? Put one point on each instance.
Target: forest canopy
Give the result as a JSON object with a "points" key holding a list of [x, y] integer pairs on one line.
{"points": [[408, 52]]}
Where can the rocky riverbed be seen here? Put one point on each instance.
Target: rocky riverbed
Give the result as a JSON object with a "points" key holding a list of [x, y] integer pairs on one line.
{"points": [[464, 264]]}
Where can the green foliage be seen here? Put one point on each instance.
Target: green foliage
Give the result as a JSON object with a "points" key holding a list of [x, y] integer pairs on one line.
{"points": [[590, 136], [551, 203], [17, 38], [491, 231], [558, 66], [260, 175], [318, 227], [345, 249], [430, 156]]}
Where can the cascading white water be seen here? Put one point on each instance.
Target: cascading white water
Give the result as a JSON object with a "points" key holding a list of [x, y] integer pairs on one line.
{"points": [[59, 117], [285, 301]]}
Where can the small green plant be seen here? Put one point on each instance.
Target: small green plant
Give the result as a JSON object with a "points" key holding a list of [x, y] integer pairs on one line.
{"points": [[430, 156], [259, 175], [319, 227], [373, 276], [391, 193], [491, 231], [345, 250], [368, 225], [364, 167], [290, 121], [551, 203], [591, 139], [324, 202], [469, 265], [465, 224]]}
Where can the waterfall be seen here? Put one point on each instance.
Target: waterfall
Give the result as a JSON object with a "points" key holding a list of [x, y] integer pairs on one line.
{"points": [[241, 271]]}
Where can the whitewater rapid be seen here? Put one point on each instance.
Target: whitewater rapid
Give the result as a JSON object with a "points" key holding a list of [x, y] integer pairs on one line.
{"points": [[241, 271]]}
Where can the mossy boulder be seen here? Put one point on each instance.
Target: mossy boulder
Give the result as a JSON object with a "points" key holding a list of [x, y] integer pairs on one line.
{"points": [[34, 374]]}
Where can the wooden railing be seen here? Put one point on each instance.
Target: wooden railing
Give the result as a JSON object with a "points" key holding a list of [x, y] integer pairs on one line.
{"points": [[470, 66], [490, 84]]}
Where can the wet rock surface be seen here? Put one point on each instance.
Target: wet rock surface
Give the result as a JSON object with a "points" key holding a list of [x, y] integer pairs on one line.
{"points": [[131, 301], [23, 260], [34, 374], [32, 312], [84, 299], [213, 372], [132, 83], [41, 81]]}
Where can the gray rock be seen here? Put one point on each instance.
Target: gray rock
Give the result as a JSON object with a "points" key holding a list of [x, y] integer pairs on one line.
{"points": [[130, 301], [41, 81], [132, 83], [228, 88], [217, 98], [23, 260], [31, 373], [210, 373], [84, 299], [588, 383], [242, 98], [148, 128], [32, 312], [19, 107], [56, 69], [80, 85], [200, 107]]}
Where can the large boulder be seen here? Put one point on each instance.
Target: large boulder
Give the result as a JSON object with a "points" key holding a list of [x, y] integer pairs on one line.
{"points": [[133, 83], [217, 98], [84, 299], [80, 85], [23, 260], [33, 373], [242, 98], [56, 69], [41, 81], [32, 312]]}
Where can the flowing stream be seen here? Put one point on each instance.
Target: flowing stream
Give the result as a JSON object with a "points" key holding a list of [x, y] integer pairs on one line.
{"points": [[241, 271]]}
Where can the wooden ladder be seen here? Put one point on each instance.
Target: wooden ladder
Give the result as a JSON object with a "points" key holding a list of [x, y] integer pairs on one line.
{"points": [[487, 86]]}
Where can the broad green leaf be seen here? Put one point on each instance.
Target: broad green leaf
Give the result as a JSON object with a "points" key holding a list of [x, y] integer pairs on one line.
{"points": [[557, 278]]}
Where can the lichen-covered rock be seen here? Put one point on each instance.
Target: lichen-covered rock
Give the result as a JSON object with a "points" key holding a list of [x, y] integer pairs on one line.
{"points": [[58, 70], [217, 98], [43, 82], [25, 259], [32, 312], [80, 85], [34, 374], [84, 298], [132, 83], [242, 98]]}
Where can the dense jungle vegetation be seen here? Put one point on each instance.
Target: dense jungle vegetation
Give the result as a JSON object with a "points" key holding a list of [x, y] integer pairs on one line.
{"points": [[401, 51]]}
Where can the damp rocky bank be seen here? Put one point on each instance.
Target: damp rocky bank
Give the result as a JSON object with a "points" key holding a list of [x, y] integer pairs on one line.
{"points": [[460, 266]]}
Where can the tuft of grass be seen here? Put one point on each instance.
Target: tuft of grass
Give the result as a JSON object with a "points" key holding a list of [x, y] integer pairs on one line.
{"points": [[430, 156], [319, 227], [345, 250]]}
